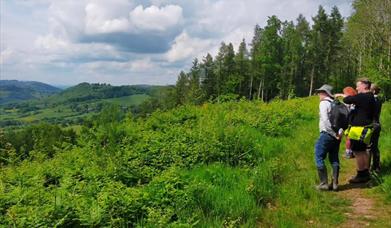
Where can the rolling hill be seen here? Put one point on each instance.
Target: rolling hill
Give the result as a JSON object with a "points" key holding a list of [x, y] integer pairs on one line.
{"points": [[72, 105], [15, 91]]}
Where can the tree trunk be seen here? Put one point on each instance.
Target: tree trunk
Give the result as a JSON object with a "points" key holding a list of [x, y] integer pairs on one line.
{"points": [[312, 80], [389, 54], [259, 89], [251, 86], [263, 89]]}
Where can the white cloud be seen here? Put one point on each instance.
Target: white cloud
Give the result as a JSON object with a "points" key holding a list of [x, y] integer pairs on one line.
{"points": [[154, 18], [138, 65], [108, 40], [7, 56], [104, 18], [56, 49], [185, 47], [51, 43], [142, 65]]}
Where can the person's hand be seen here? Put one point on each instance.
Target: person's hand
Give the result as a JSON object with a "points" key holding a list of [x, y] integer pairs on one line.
{"points": [[340, 95]]}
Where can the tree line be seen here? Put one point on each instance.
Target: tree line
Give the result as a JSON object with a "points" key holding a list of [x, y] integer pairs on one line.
{"points": [[288, 59]]}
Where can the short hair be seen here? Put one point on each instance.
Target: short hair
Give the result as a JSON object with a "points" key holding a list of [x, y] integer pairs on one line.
{"points": [[365, 81], [375, 89]]}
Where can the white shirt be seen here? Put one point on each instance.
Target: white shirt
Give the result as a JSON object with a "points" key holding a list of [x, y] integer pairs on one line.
{"points": [[324, 114]]}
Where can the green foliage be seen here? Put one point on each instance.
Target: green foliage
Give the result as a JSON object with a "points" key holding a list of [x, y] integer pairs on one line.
{"points": [[368, 31], [37, 141], [216, 164], [287, 60], [384, 146], [224, 164]]}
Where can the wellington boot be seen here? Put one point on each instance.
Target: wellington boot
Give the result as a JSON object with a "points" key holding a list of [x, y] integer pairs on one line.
{"points": [[334, 184], [323, 185]]}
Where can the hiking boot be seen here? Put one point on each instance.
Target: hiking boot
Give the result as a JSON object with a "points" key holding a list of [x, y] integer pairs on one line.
{"points": [[323, 186], [334, 184], [361, 177]]}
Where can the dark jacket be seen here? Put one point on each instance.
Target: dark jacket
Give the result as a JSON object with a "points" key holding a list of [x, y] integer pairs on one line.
{"points": [[364, 109]]}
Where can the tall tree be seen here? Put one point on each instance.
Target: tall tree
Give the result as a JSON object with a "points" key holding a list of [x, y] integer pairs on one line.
{"points": [[369, 32], [182, 88], [292, 44], [255, 65], [335, 54], [242, 68], [270, 58], [302, 76], [195, 95], [318, 50], [209, 80]]}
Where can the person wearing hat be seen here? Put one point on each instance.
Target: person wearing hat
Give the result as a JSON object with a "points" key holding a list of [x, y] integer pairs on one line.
{"points": [[328, 142], [362, 116]]}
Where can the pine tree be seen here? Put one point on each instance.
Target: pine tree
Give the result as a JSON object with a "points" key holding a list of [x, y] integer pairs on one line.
{"points": [[302, 76], [242, 68], [270, 58], [182, 88], [195, 94], [335, 54], [318, 50], [255, 65], [208, 80]]}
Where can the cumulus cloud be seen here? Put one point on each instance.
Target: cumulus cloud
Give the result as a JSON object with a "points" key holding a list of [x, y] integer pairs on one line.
{"points": [[97, 23], [129, 41], [118, 23], [155, 18], [107, 16], [185, 47]]}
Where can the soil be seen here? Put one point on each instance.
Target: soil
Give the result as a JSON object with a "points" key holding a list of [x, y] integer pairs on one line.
{"points": [[367, 208]]}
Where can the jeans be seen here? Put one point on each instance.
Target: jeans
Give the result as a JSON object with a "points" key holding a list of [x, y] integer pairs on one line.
{"points": [[326, 144]]}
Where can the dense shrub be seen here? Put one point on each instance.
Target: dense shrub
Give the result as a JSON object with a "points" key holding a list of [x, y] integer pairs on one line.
{"points": [[213, 165]]}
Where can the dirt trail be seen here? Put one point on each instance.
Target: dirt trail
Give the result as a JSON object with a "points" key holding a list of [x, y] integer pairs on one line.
{"points": [[367, 207]]}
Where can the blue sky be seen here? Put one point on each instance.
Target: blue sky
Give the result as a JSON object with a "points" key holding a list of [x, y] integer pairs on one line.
{"points": [[128, 41]]}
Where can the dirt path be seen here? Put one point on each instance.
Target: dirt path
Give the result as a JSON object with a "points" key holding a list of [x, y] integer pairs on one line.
{"points": [[367, 208]]}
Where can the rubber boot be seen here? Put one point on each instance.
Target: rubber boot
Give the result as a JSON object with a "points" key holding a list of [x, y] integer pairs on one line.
{"points": [[323, 185], [361, 177], [334, 185]]}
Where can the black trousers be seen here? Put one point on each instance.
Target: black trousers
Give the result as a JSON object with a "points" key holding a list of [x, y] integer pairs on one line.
{"points": [[374, 147]]}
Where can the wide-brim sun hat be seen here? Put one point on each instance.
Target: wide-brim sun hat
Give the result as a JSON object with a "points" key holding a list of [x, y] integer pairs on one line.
{"points": [[327, 89]]}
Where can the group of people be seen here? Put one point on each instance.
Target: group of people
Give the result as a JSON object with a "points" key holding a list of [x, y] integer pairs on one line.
{"points": [[362, 133]]}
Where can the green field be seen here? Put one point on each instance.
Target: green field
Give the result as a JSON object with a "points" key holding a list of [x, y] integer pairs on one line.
{"points": [[65, 112]]}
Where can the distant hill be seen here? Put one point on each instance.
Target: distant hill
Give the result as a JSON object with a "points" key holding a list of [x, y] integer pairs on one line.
{"points": [[16, 91], [72, 105], [96, 91]]}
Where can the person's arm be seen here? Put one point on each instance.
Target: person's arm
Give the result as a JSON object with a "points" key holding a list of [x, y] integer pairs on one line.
{"points": [[324, 114], [350, 100], [339, 95]]}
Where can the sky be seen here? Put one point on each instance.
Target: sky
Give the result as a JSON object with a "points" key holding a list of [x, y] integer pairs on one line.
{"points": [[66, 42]]}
